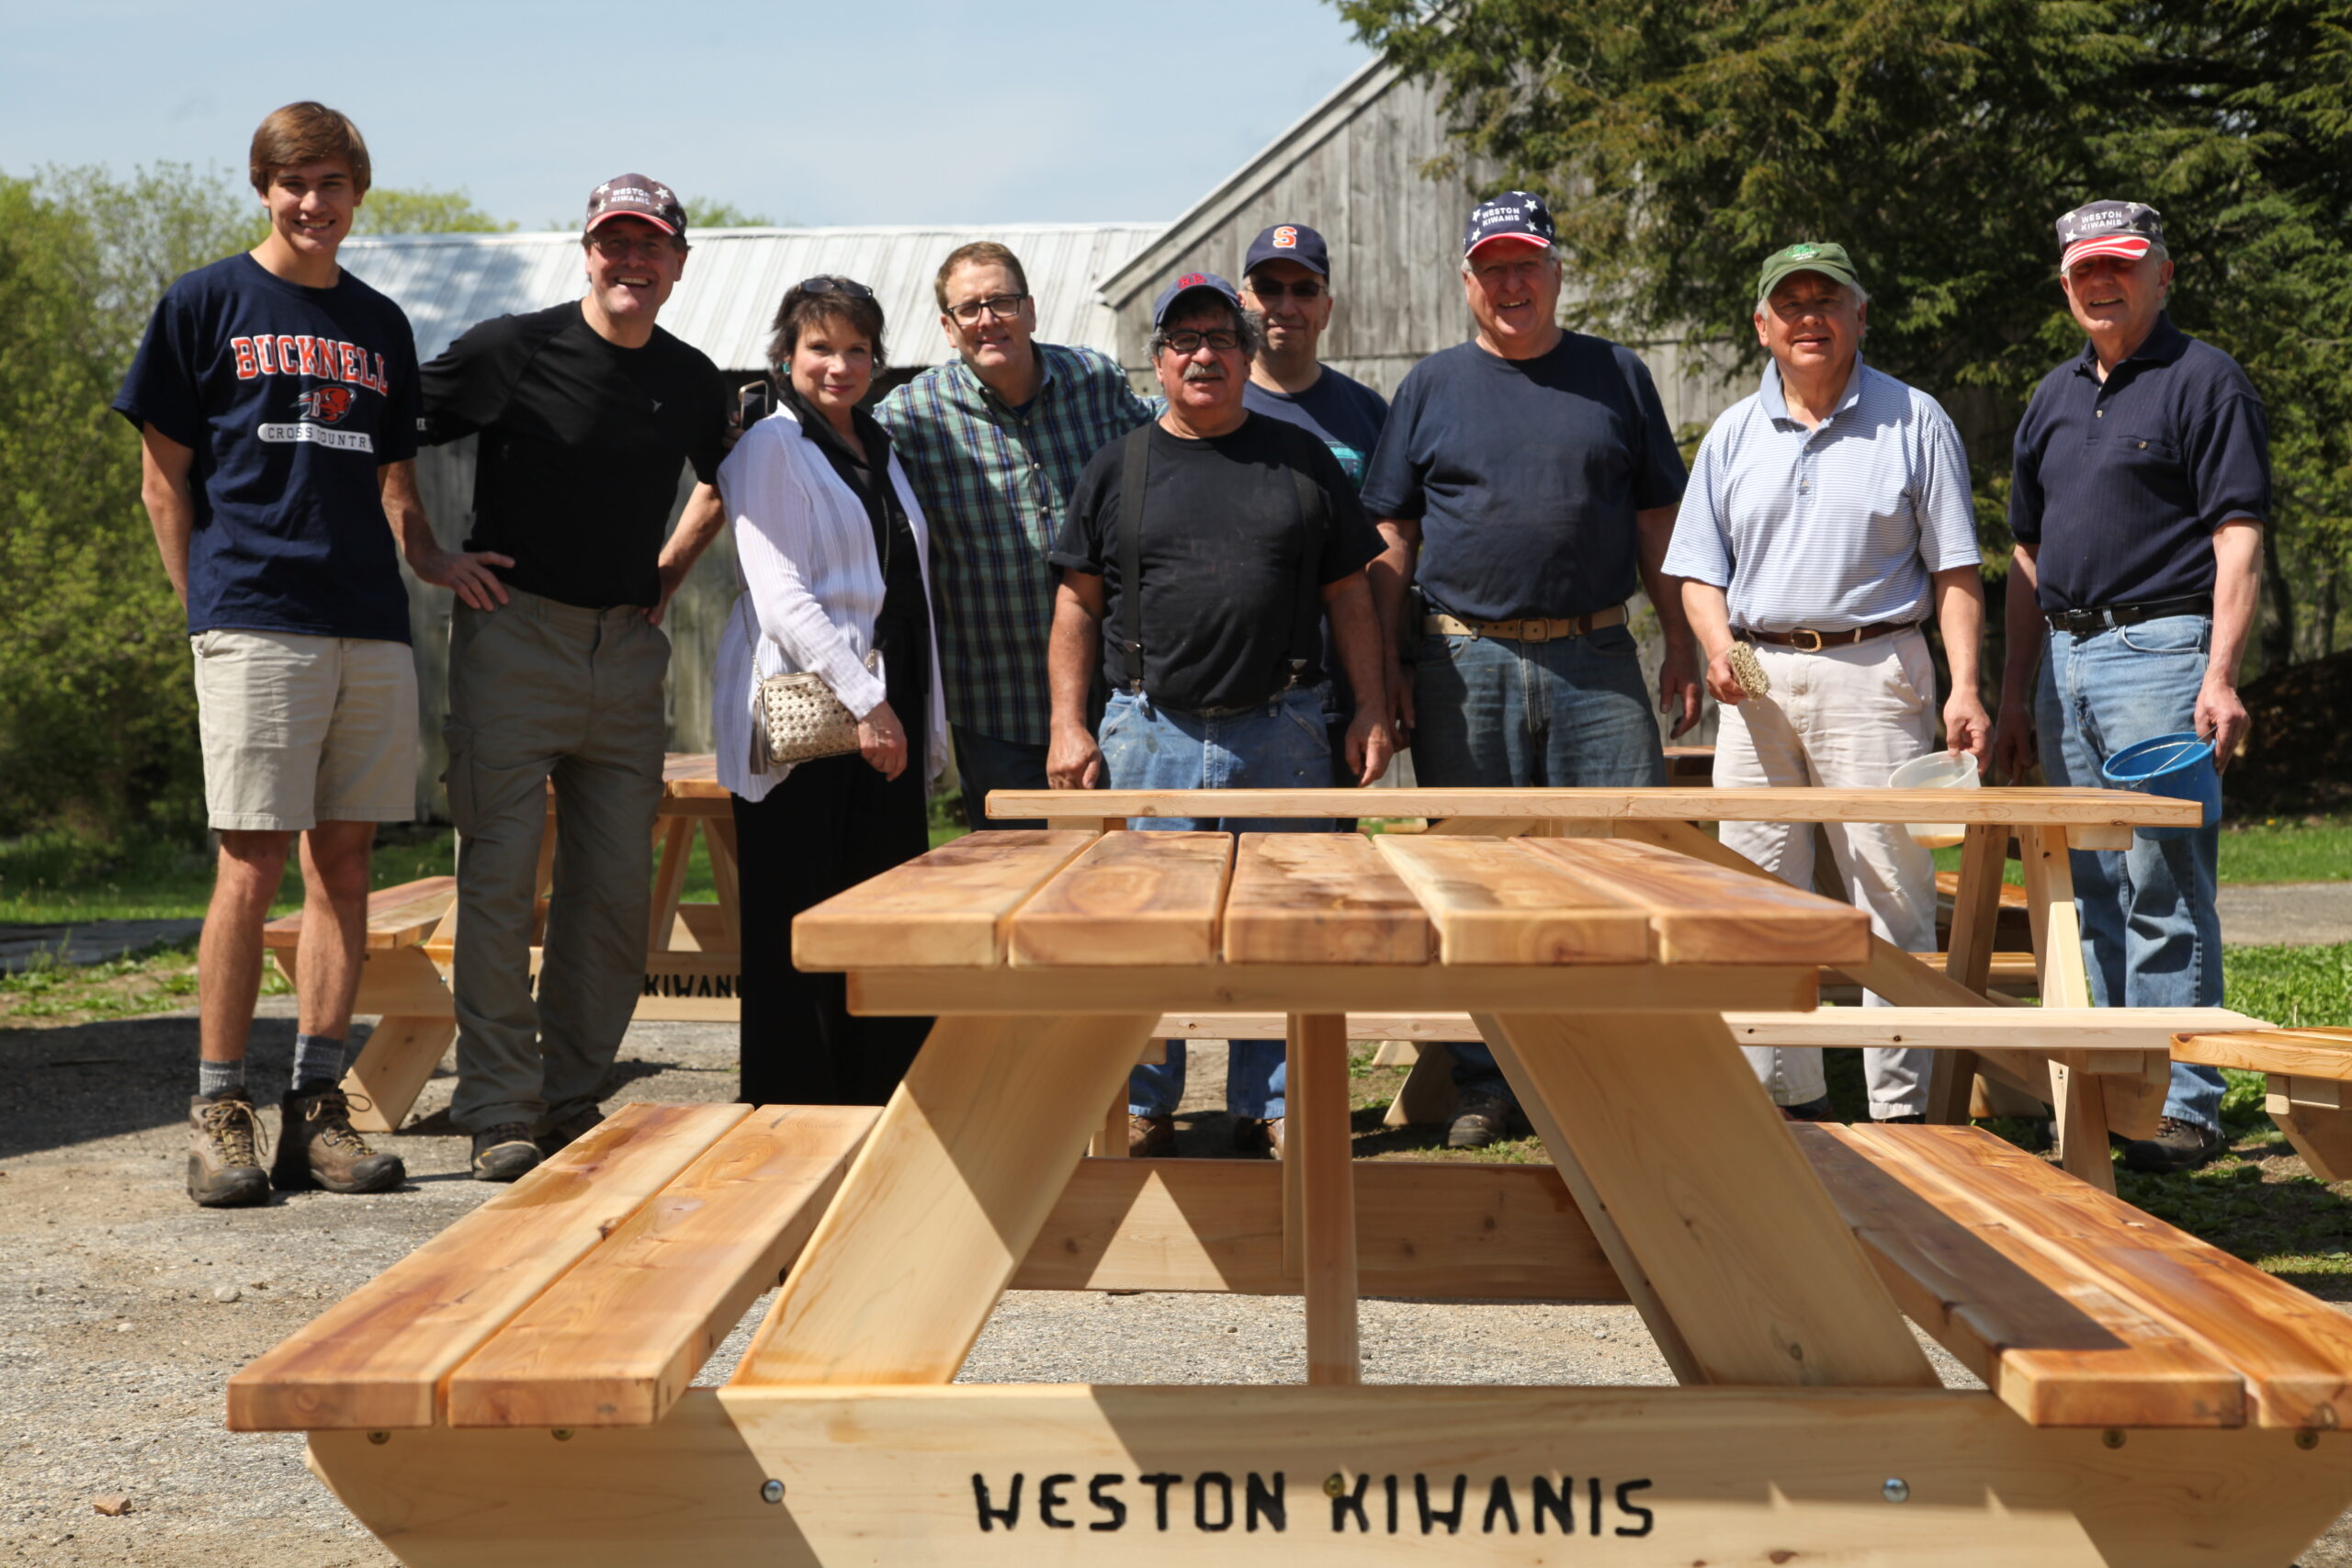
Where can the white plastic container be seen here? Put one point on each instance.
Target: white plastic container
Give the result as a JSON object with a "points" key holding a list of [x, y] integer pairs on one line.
{"points": [[1938, 770]]}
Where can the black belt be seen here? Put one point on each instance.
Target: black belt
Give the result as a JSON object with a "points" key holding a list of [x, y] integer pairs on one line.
{"points": [[2086, 623], [1807, 639]]}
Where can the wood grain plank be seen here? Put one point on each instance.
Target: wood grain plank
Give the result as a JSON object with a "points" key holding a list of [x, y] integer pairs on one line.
{"points": [[2294, 1352], [949, 907], [1708, 914], [2013, 805], [1320, 899], [397, 917], [1494, 901], [615, 1341], [1132, 899], [1318, 1145], [2061, 1350], [2303, 1053], [377, 1357]]}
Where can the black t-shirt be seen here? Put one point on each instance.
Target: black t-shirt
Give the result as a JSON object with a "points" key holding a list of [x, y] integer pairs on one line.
{"points": [[2119, 484], [1343, 412], [291, 399], [1222, 549], [1525, 475], [581, 441]]}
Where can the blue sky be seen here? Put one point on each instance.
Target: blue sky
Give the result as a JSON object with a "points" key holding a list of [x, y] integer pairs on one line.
{"points": [[852, 111]]}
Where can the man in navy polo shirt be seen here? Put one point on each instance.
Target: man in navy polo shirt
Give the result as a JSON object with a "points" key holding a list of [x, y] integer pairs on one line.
{"points": [[2143, 478], [1528, 478]]}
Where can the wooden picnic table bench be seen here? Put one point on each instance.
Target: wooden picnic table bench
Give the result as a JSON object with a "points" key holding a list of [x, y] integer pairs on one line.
{"points": [[2305, 1071], [2123, 1097], [399, 982], [522, 1385]]}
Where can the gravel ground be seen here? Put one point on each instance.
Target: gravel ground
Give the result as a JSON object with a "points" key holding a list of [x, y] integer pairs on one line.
{"points": [[124, 1308]]}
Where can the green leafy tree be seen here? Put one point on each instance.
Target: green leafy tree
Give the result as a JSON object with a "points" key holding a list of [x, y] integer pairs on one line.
{"points": [[704, 213], [1683, 140], [394, 211]]}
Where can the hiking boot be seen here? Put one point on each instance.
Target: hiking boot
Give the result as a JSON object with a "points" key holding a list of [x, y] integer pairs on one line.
{"points": [[504, 1152], [2177, 1146], [1478, 1120], [1151, 1138], [1252, 1135], [568, 1132], [223, 1172], [317, 1147], [1818, 1110]]}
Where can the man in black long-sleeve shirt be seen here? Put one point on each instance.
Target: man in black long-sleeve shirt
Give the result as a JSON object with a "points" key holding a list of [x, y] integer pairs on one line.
{"points": [[587, 413]]}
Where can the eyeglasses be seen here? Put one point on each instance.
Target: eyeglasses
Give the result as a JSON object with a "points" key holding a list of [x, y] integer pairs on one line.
{"points": [[1000, 306], [1304, 289], [831, 285], [620, 247], [1189, 343]]}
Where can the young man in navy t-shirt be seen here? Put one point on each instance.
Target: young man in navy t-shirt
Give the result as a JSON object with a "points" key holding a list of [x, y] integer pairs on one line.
{"points": [[276, 398]]}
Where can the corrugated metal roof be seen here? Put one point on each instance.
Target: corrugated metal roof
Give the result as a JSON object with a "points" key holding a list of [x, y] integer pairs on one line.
{"points": [[736, 277]]}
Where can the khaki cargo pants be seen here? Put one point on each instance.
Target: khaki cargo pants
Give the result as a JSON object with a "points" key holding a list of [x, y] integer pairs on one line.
{"points": [[541, 691]]}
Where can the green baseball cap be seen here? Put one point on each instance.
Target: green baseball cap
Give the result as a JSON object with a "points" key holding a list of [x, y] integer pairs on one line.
{"points": [[1807, 255]]}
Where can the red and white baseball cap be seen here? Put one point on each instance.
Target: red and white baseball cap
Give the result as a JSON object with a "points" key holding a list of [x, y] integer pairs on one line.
{"points": [[634, 196], [2125, 228]]}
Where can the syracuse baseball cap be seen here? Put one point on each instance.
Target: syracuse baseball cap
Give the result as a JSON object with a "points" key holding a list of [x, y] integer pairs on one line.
{"points": [[1806, 256], [2123, 228], [1514, 215], [634, 196], [1165, 305], [1289, 241]]}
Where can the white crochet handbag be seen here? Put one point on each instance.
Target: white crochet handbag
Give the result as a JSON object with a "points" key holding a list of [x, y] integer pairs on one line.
{"points": [[800, 719]]}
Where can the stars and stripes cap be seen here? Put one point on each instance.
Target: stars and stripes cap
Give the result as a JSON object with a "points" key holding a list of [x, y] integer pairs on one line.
{"points": [[1515, 215], [635, 195], [2123, 228]]}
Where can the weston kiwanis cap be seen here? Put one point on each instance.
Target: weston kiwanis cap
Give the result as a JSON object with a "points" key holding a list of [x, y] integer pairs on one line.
{"points": [[2123, 228], [634, 196], [1289, 241], [1514, 215], [1806, 256], [1165, 305]]}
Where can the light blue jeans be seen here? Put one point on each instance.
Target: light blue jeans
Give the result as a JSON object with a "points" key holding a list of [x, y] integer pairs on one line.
{"points": [[1279, 746], [2152, 935], [1571, 714]]}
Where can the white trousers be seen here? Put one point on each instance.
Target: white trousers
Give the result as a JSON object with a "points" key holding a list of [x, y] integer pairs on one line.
{"points": [[1843, 717]]}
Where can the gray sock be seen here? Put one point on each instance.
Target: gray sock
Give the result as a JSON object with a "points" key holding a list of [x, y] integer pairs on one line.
{"points": [[213, 1077], [317, 1063]]}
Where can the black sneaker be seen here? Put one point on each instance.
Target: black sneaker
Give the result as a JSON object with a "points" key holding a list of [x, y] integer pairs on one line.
{"points": [[1479, 1120], [1910, 1120], [223, 1168], [2177, 1146], [317, 1146], [1252, 1135], [504, 1152], [1810, 1110]]}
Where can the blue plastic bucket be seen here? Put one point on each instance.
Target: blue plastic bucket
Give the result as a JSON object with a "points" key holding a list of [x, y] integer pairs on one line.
{"points": [[2179, 765]]}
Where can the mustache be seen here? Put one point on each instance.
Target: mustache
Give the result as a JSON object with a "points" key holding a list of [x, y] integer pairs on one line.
{"points": [[1195, 371]]}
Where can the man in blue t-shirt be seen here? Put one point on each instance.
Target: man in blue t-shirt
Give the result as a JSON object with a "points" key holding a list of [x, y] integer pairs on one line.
{"points": [[276, 398], [1286, 284], [2142, 481], [1527, 478]]}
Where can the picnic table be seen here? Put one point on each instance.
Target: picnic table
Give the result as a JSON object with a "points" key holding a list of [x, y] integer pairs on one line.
{"points": [[693, 951], [2092, 1093], [2148, 1400]]}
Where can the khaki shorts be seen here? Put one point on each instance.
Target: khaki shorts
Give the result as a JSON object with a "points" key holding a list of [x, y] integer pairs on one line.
{"points": [[300, 730]]}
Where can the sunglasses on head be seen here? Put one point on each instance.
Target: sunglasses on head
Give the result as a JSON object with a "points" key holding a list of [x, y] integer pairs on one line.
{"points": [[831, 285]]}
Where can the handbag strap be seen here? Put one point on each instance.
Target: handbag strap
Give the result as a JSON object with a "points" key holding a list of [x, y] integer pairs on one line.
{"points": [[1135, 471]]}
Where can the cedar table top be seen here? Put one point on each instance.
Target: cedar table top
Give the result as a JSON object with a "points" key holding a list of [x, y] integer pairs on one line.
{"points": [[1073, 900], [2019, 805]]}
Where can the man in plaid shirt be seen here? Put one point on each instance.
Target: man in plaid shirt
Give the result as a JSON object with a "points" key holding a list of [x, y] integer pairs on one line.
{"points": [[994, 441]]}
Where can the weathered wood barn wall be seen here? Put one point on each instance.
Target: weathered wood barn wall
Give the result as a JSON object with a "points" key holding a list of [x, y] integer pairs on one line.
{"points": [[733, 282]]}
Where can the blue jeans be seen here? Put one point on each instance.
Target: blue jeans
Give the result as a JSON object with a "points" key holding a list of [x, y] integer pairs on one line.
{"points": [[2152, 935], [1279, 746], [987, 761], [1570, 714]]}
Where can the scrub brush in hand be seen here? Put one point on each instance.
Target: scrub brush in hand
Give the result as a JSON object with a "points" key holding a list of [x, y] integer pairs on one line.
{"points": [[1748, 671]]}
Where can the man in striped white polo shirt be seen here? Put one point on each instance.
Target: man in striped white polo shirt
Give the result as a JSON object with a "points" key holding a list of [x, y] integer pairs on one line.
{"points": [[1826, 516]]}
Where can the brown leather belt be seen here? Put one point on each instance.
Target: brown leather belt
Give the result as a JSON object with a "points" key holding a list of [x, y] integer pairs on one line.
{"points": [[1533, 629], [1804, 640]]}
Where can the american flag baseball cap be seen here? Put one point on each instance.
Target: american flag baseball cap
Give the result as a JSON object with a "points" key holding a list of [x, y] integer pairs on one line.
{"points": [[2123, 228]]}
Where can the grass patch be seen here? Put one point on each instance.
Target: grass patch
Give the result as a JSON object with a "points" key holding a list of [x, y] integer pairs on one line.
{"points": [[49, 994], [2276, 849], [58, 878]]}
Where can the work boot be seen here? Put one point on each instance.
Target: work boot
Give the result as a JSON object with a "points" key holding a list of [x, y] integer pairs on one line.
{"points": [[1151, 1138], [1252, 1135], [318, 1147], [223, 1172], [504, 1152], [568, 1132], [1478, 1120], [2177, 1146]]}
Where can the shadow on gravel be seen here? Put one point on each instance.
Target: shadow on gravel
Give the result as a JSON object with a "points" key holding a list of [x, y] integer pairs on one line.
{"points": [[101, 1080]]}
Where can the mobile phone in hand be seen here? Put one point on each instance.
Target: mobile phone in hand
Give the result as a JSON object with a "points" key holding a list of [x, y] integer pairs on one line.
{"points": [[751, 404]]}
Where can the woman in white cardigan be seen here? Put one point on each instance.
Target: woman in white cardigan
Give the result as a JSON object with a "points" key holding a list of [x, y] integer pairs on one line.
{"points": [[832, 550]]}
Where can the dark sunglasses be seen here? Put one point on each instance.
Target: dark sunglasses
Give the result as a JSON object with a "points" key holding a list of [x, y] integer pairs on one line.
{"points": [[831, 285], [1305, 288]]}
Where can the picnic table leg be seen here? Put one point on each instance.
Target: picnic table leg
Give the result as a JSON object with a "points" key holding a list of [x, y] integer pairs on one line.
{"points": [[1678, 1156], [415, 1024], [2135, 1101], [675, 835], [945, 1199], [718, 832], [1976, 917], [2078, 1097], [1317, 1145]]}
